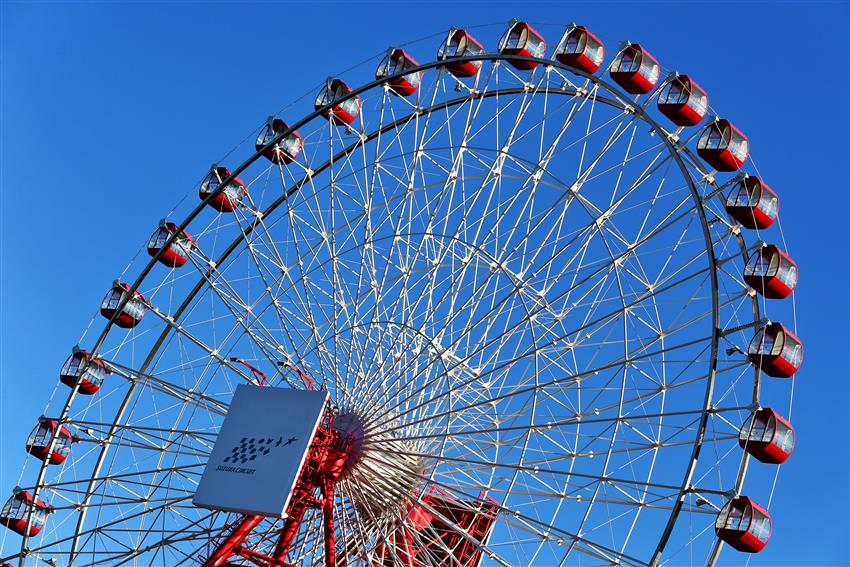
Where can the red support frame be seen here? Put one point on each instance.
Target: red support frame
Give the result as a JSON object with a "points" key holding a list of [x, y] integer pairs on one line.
{"points": [[322, 469], [331, 452]]}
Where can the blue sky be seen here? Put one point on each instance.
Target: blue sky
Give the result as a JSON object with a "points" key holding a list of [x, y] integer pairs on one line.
{"points": [[111, 111]]}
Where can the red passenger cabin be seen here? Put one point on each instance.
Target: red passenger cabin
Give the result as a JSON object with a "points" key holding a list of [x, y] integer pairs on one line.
{"points": [[83, 368], [283, 151], [743, 524], [16, 513], [132, 311], [635, 69], [752, 203], [426, 538], [683, 101], [771, 272], [723, 146], [767, 436], [581, 49], [177, 253], [41, 437], [345, 112], [459, 43], [522, 40], [776, 351], [398, 61], [230, 197]]}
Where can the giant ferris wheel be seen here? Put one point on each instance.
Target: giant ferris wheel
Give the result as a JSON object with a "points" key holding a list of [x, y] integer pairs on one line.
{"points": [[540, 291]]}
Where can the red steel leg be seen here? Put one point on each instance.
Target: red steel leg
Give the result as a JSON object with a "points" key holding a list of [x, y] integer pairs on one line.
{"points": [[227, 548], [328, 522], [290, 528], [322, 469]]}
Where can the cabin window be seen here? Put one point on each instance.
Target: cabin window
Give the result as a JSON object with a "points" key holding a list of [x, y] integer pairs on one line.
{"points": [[739, 147], [291, 145], [788, 275], [782, 437], [210, 184], [628, 62], [351, 106], [40, 437], [394, 65], [768, 429], [759, 430], [233, 192], [93, 373], [14, 509], [785, 440], [327, 96], [674, 93], [113, 299], [650, 70], [535, 46], [766, 344], [181, 246], [594, 51], [134, 308], [158, 239], [62, 445], [760, 527], [698, 102], [712, 139], [734, 519], [575, 42], [71, 366], [768, 204], [267, 135], [794, 354], [453, 47], [741, 197], [516, 38], [413, 78], [759, 265]]}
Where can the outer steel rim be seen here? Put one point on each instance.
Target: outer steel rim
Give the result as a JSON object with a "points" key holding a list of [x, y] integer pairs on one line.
{"points": [[618, 100]]}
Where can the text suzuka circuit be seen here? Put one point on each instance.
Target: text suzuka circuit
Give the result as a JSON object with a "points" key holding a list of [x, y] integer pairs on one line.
{"points": [[533, 302]]}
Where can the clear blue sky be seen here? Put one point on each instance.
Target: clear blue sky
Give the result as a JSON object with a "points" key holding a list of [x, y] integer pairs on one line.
{"points": [[111, 111]]}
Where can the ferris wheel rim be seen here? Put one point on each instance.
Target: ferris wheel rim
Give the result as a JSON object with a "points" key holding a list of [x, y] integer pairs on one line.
{"points": [[639, 110]]}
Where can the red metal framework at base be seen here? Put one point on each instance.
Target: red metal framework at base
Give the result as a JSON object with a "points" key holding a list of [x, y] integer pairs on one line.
{"points": [[431, 528], [439, 541], [322, 469]]}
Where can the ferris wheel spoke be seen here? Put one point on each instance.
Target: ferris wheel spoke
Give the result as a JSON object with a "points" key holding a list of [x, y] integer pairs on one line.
{"points": [[377, 527], [213, 353], [586, 326], [283, 270], [568, 422], [189, 395], [649, 236], [191, 532], [645, 354], [93, 532], [147, 437], [243, 310], [406, 210], [529, 525], [535, 471]]}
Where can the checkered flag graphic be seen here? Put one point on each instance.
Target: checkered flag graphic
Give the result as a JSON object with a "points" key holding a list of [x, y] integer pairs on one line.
{"points": [[249, 448]]}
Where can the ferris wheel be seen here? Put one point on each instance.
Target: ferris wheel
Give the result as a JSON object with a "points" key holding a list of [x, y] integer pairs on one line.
{"points": [[537, 293]]}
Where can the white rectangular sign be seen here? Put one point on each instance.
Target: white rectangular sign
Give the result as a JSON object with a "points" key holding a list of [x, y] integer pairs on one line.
{"points": [[260, 450]]}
